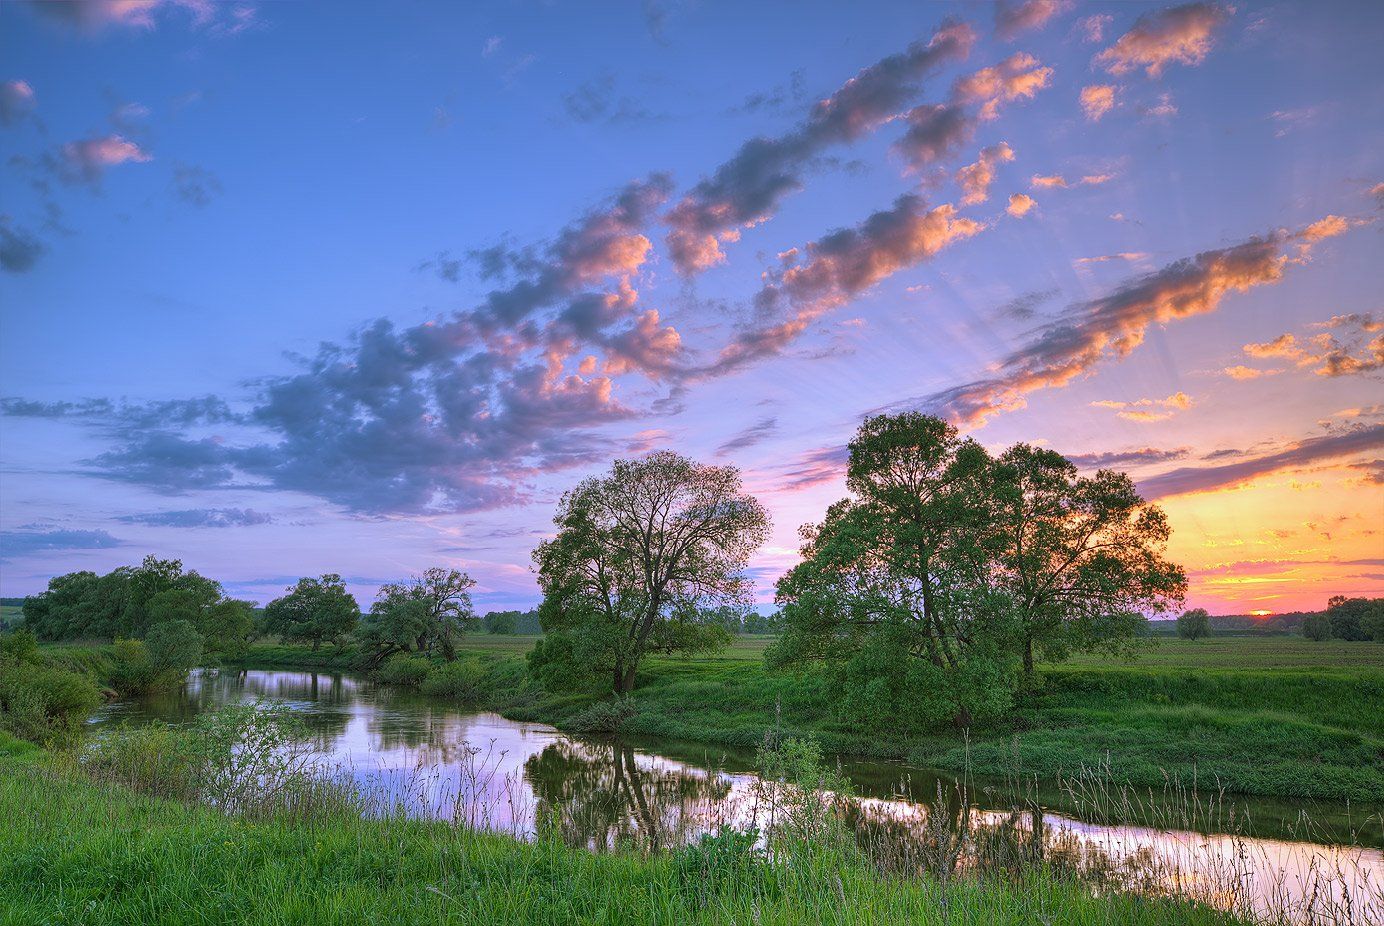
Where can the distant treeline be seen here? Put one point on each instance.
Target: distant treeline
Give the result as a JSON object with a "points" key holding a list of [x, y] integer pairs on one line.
{"points": [[1349, 619]]}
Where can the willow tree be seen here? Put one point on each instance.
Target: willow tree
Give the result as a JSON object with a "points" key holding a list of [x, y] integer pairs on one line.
{"points": [[1080, 556], [639, 555]]}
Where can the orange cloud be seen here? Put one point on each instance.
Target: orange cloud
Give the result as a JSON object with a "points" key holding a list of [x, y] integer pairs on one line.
{"points": [[1013, 19], [1097, 100], [1244, 372], [1178, 35], [1143, 409], [1329, 355], [1020, 204], [1017, 77], [975, 179]]}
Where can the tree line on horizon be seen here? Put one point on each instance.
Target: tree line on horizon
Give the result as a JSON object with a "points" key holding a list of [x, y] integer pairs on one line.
{"points": [[927, 594]]}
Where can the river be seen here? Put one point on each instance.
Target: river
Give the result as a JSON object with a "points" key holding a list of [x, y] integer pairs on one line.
{"points": [[1310, 864]]}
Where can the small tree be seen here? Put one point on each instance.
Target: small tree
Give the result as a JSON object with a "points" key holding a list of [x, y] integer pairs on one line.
{"points": [[174, 648], [1317, 627], [1352, 618], [638, 554], [314, 611], [502, 622], [1194, 624], [437, 603]]}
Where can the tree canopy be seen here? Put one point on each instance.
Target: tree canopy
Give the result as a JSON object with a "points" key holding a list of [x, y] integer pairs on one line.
{"points": [[639, 556], [315, 611]]}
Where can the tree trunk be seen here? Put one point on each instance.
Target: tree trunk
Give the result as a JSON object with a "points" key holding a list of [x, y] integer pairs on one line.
{"points": [[316, 643], [619, 683], [422, 642], [629, 679]]}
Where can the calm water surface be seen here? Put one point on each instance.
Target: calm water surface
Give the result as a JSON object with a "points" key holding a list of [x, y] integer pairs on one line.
{"points": [[432, 759]]}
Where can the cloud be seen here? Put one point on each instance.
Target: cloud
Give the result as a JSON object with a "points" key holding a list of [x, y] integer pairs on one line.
{"points": [[1093, 27], [975, 179], [1013, 19], [596, 101], [96, 15], [1024, 307], [1105, 258], [1244, 372], [1140, 456], [20, 249], [452, 414], [27, 541], [1178, 35], [814, 468], [86, 160], [195, 185], [1148, 410], [200, 517], [1020, 204], [934, 132], [124, 417], [1097, 100], [1018, 77], [1113, 326], [747, 189], [16, 101], [833, 270], [1307, 452], [1165, 108], [1354, 353], [754, 434], [1057, 181]]}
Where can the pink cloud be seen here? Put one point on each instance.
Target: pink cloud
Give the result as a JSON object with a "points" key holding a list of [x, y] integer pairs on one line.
{"points": [[17, 100], [1097, 100], [1020, 204], [88, 158], [975, 179], [1177, 35], [1012, 19], [1018, 77]]}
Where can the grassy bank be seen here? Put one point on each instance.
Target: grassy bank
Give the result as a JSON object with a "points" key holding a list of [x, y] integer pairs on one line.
{"points": [[84, 852], [1273, 717]]}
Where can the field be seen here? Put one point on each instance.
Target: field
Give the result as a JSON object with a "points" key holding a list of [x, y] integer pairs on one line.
{"points": [[82, 852], [1278, 717]]}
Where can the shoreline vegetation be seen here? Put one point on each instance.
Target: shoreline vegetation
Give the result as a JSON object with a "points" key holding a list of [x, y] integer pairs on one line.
{"points": [[1303, 725]]}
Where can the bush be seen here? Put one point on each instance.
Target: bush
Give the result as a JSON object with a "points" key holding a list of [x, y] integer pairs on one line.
{"points": [[465, 680], [722, 861], [1316, 627], [175, 647], [17, 647], [408, 671], [42, 703], [609, 716]]}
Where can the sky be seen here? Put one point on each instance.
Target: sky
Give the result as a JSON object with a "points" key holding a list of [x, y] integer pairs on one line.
{"points": [[289, 288]]}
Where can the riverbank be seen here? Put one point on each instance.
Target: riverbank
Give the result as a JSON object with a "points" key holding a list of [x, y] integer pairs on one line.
{"points": [[1267, 717], [79, 851]]}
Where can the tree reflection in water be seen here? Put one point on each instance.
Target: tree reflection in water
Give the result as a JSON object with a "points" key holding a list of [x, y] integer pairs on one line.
{"points": [[601, 796]]}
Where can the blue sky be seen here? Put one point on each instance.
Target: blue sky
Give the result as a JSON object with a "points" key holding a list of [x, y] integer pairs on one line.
{"points": [[759, 223]]}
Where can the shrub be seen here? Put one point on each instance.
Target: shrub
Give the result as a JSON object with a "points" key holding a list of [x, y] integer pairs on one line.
{"points": [[20, 646], [609, 716], [408, 671], [42, 703], [464, 680], [1316, 627], [722, 861], [175, 647]]}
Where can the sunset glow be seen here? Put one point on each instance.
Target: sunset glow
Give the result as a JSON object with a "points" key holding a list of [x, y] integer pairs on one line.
{"points": [[278, 308]]}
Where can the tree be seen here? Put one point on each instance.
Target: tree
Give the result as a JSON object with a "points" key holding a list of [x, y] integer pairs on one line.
{"points": [[638, 555], [435, 605], [894, 588], [502, 622], [174, 647], [1081, 557], [1317, 627], [1351, 618], [1194, 624], [315, 611]]}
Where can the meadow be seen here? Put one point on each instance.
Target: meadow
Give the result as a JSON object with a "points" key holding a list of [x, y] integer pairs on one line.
{"points": [[1269, 716]]}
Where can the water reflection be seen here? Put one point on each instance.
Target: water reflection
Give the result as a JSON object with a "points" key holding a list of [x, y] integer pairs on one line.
{"points": [[420, 756]]}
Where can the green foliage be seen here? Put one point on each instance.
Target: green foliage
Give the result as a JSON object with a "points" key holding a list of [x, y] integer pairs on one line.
{"points": [[314, 611], [174, 647], [19, 646], [1194, 624], [1355, 619], [408, 671], [611, 716], [40, 702], [640, 556], [467, 681], [129, 601], [1317, 627], [430, 611], [502, 622], [719, 862], [966, 565]]}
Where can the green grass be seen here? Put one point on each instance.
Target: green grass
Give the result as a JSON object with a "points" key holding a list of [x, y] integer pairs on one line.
{"points": [[88, 854], [1278, 717]]}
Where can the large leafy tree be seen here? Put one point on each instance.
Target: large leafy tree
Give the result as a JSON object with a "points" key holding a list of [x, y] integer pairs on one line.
{"points": [[315, 611], [1081, 557], [639, 555], [893, 586]]}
